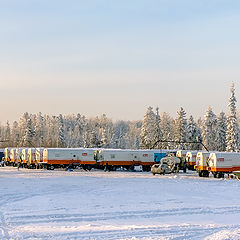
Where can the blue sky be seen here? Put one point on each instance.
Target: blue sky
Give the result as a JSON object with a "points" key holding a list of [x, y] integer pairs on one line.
{"points": [[117, 57]]}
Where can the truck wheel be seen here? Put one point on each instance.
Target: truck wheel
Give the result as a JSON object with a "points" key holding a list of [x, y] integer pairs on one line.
{"points": [[205, 174], [220, 175]]}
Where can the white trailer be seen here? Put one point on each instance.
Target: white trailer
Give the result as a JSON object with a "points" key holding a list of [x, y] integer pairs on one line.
{"points": [[31, 157], [112, 159], [7, 155], [25, 157], [191, 159], [13, 156], [223, 162], [201, 164], [19, 155], [63, 157], [39, 157]]}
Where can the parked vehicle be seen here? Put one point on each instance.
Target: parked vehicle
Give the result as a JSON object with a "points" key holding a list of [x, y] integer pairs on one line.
{"points": [[63, 157], [220, 163], [167, 165], [25, 157], [19, 156], [181, 154], [201, 164], [39, 157], [191, 159], [13, 156], [31, 163], [116, 158], [6, 156]]}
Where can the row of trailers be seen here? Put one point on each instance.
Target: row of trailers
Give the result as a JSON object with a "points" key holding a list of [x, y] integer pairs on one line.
{"points": [[217, 163], [86, 158]]}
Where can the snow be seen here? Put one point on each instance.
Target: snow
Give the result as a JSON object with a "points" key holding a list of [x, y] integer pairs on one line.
{"points": [[41, 204]]}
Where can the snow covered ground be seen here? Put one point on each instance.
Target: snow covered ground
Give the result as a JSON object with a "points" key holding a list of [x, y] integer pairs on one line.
{"points": [[41, 204]]}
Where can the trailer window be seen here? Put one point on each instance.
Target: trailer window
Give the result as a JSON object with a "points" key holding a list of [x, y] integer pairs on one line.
{"points": [[112, 155]]}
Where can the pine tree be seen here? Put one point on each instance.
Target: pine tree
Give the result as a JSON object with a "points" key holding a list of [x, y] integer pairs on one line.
{"points": [[39, 130], [23, 122], [181, 129], [15, 135], [209, 129], [7, 134], [158, 131], [118, 140], [61, 136], [193, 134], [29, 133], [148, 130], [232, 134], [221, 132], [167, 127], [104, 139]]}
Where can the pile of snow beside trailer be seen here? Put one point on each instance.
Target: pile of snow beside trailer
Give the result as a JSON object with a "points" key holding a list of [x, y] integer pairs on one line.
{"points": [[41, 204]]}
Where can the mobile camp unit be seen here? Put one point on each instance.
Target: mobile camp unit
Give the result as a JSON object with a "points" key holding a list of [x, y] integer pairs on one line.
{"points": [[25, 157], [31, 158], [111, 159], [39, 157], [13, 156], [191, 159], [19, 155], [116, 158], [146, 158], [201, 164], [7, 156], [182, 155], [223, 162], [63, 157]]}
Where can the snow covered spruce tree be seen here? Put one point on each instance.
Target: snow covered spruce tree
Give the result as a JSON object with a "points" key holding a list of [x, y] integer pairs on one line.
{"points": [[22, 125], [221, 132], [118, 140], [181, 129], [158, 132], [232, 135], [209, 129], [150, 131], [15, 135], [167, 127], [39, 130], [193, 135], [60, 133], [29, 133], [132, 137]]}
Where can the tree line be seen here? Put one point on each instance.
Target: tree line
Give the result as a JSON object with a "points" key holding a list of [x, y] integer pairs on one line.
{"points": [[217, 132]]}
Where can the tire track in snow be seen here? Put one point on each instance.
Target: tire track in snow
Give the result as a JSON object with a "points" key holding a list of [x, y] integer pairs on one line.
{"points": [[4, 227], [54, 217]]}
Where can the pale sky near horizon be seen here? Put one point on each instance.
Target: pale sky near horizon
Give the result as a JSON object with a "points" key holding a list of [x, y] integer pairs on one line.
{"points": [[118, 57]]}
